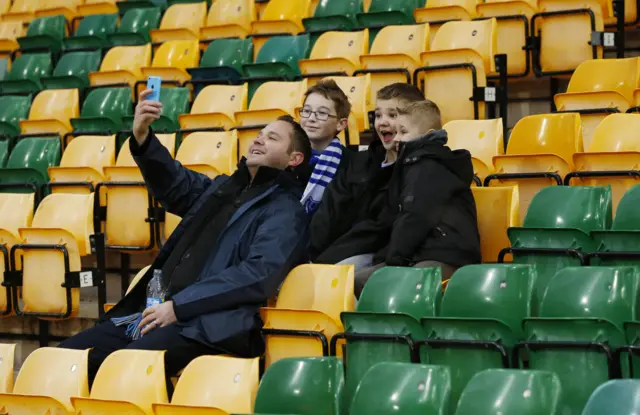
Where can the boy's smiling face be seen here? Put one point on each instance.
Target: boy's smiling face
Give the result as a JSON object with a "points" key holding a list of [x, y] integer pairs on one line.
{"points": [[320, 130], [386, 114], [407, 128]]}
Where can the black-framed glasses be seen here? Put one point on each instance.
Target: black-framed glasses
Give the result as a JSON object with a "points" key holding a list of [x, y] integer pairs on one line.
{"points": [[320, 115]]}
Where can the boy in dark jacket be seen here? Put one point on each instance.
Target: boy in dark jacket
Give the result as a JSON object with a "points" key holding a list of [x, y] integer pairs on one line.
{"points": [[430, 210]]}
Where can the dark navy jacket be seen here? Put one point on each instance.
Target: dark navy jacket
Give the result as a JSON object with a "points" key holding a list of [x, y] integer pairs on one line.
{"points": [[264, 239]]}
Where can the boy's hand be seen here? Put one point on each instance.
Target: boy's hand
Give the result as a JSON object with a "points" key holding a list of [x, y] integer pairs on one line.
{"points": [[146, 113], [159, 315]]}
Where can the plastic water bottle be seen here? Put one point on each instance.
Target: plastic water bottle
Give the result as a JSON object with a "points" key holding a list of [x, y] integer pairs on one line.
{"points": [[156, 291]]}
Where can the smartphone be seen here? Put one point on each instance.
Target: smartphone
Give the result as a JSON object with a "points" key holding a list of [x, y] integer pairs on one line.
{"points": [[154, 83]]}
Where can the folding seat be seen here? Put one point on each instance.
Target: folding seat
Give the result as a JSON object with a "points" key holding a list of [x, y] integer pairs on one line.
{"points": [[335, 54], [228, 384], [484, 140], [66, 8], [135, 27], [126, 6], [461, 57], [334, 15], [508, 391], [307, 311], [122, 65], [10, 32], [271, 100], [498, 211], [619, 396], [171, 60], [103, 111], [92, 32], [175, 101], [280, 17], [597, 89], [72, 70], [7, 353], [555, 231], [392, 387], [394, 54], [92, 7], [215, 108], [12, 110], [5, 5], [539, 153], [26, 72], [47, 380], [358, 90], [51, 112], [383, 13], [181, 22], [22, 11], [229, 18], [44, 33], [438, 12], [578, 327], [128, 381], [26, 168]]}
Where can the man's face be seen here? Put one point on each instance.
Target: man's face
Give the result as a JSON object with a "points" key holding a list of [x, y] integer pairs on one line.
{"points": [[271, 147], [386, 114], [323, 122]]}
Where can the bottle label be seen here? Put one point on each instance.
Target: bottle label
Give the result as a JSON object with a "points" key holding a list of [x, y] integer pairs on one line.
{"points": [[151, 301]]}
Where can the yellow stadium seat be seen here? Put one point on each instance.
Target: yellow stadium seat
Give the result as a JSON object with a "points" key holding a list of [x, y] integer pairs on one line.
{"points": [[5, 5], [358, 90], [597, 89], [483, 138], [460, 52], [122, 65], [539, 153], [7, 358], [335, 54], [311, 299], [215, 107], [22, 10], [280, 17], [172, 59], [82, 162], [394, 55], [67, 8], [9, 33], [271, 100], [229, 18], [128, 382], [52, 111], [612, 154], [97, 7], [214, 385], [438, 12], [181, 22], [49, 377], [498, 210]]}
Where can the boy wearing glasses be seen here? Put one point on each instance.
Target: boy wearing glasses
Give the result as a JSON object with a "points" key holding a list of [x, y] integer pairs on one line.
{"points": [[323, 116]]}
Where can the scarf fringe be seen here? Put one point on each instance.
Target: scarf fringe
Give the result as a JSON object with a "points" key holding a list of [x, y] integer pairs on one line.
{"points": [[132, 322]]}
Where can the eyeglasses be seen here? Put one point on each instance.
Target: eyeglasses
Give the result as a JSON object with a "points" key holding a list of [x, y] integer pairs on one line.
{"points": [[320, 115]]}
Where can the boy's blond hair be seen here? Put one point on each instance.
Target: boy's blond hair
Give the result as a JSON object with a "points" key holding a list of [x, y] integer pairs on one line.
{"points": [[425, 113]]}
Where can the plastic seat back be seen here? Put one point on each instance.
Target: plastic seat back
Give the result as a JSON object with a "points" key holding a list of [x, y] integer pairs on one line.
{"points": [[223, 61], [10, 31], [73, 70], [29, 160], [621, 396], [229, 18], [26, 72], [392, 387], [122, 64], [336, 52], [172, 59], [45, 33], [103, 110], [358, 90], [384, 13], [7, 354], [94, 7], [65, 8], [135, 27], [92, 32], [181, 22], [530, 392], [279, 17], [334, 15], [498, 209], [483, 139], [12, 110], [22, 10], [215, 106], [52, 111]]}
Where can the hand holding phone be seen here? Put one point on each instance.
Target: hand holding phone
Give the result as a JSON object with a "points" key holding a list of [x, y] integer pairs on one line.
{"points": [[154, 83], [148, 109]]}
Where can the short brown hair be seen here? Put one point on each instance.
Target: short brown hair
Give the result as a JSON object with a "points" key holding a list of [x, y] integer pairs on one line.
{"points": [[299, 138], [424, 112], [329, 89], [401, 91]]}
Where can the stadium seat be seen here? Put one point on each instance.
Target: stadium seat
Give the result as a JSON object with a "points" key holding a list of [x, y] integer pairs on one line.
{"points": [[5, 65], [394, 54], [174, 101], [126, 6], [135, 27], [51, 112], [44, 33], [498, 211], [484, 140], [92, 32], [128, 381], [310, 300], [271, 100], [92, 7], [480, 320], [438, 12], [225, 383], [539, 153], [10, 32], [26, 72], [122, 65], [335, 15], [314, 386], [171, 60], [222, 63], [103, 110], [229, 18], [215, 107], [507, 391], [181, 22], [28, 162], [618, 396], [586, 307], [72, 70], [12, 110], [22, 11], [335, 54], [280, 17], [597, 89], [383, 13], [66, 8], [555, 230], [7, 357], [460, 59], [47, 380], [358, 90]]}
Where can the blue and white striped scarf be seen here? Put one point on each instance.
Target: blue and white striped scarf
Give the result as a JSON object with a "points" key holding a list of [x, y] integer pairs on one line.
{"points": [[325, 166]]}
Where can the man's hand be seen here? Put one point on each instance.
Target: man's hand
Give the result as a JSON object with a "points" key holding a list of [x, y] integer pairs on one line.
{"points": [[146, 113], [160, 315]]}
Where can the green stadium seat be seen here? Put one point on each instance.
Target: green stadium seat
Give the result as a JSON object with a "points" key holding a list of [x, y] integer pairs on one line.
{"points": [[618, 396], [125, 6], [4, 152], [302, 386], [560, 218], [175, 101], [579, 326], [29, 161], [334, 15], [45, 33], [508, 391], [12, 110], [92, 32], [480, 320], [135, 26], [388, 12], [103, 110], [391, 388], [26, 72], [73, 70], [4, 68]]}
